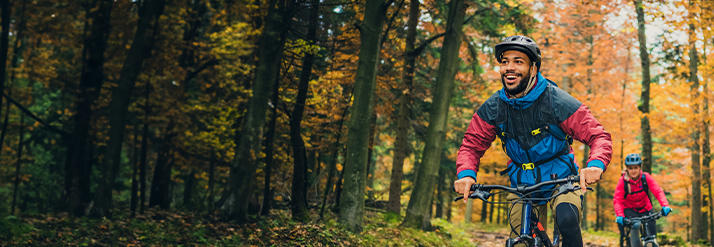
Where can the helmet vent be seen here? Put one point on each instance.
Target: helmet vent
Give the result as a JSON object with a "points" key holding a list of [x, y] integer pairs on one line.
{"points": [[514, 39]]}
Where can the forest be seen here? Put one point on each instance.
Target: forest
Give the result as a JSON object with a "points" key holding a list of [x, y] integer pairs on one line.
{"points": [[326, 122]]}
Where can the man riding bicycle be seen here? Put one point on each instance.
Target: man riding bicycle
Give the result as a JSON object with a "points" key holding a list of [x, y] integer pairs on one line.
{"points": [[631, 198], [536, 122]]}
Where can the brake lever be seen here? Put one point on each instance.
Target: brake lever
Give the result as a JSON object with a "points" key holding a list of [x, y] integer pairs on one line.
{"points": [[477, 194], [578, 188]]}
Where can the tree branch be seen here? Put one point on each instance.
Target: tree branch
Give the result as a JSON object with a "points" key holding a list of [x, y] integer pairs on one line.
{"points": [[29, 114], [423, 45], [391, 20], [477, 13], [204, 66]]}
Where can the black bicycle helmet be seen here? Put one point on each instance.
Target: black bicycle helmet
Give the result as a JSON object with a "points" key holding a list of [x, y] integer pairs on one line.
{"points": [[519, 43], [633, 159]]}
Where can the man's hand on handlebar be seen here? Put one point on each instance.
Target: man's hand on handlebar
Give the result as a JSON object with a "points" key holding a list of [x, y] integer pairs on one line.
{"points": [[589, 176], [463, 186]]}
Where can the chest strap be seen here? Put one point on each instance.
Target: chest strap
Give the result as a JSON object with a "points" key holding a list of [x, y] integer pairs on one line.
{"points": [[531, 166]]}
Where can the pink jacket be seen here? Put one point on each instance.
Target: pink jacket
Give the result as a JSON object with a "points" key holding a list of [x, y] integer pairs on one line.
{"points": [[637, 199]]}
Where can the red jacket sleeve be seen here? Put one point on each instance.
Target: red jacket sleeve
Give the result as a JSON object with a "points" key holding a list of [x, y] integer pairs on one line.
{"points": [[477, 140], [619, 198], [656, 190], [583, 126]]}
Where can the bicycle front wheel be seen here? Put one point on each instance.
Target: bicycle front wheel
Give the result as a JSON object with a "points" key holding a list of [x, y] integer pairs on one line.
{"points": [[635, 236]]}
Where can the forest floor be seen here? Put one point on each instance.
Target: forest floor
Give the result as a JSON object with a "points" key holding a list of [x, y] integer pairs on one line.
{"points": [[176, 228]]}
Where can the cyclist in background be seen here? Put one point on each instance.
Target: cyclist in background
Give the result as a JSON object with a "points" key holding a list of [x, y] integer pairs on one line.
{"points": [[536, 122], [631, 198]]}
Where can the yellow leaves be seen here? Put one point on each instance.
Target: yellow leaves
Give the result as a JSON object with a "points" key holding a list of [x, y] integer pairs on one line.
{"points": [[339, 167]]}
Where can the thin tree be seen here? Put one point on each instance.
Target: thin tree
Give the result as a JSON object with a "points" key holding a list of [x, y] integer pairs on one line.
{"points": [[269, 143], [134, 172], [146, 28], [697, 229], [417, 210], [144, 149], [644, 105], [584, 221], [469, 211], [242, 173], [400, 144], [18, 48], [18, 164], [706, 150], [298, 204], [4, 42], [440, 187], [333, 164]]}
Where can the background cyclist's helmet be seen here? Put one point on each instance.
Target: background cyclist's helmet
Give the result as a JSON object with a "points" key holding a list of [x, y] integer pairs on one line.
{"points": [[633, 159], [519, 43]]}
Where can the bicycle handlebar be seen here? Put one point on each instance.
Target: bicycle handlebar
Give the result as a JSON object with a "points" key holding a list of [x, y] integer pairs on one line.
{"points": [[655, 216], [483, 192]]}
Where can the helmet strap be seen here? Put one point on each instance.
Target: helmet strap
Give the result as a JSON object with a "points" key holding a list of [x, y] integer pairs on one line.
{"points": [[531, 81]]}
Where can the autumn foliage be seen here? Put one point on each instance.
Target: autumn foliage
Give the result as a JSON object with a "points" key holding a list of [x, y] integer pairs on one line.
{"points": [[203, 67]]}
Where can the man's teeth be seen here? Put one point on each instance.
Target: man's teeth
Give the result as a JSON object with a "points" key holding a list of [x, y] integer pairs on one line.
{"points": [[511, 77]]}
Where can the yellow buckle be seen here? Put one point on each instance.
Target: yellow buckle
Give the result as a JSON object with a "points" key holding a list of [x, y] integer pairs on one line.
{"points": [[528, 166], [535, 132], [503, 133]]}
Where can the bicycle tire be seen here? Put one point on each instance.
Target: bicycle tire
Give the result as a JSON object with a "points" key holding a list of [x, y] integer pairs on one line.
{"points": [[651, 244], [635, 240]]}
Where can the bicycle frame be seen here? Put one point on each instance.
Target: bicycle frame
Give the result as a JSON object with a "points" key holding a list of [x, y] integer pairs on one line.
{"points": [[642, 223], [532, 233]]}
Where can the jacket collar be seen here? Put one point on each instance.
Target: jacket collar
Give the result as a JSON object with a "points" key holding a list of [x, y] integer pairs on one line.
{"points": [[532, 96]]}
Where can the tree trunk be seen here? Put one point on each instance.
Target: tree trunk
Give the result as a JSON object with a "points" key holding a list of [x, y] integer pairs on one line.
{"points": [[298, 204], [269, 139], [149, 13], [242, 174], [644, 105], [4, 43], [211, 182], [6, 120], [18, 165], [498, 216], [18, 47], [160, 192], [706, 151], [490, 215], [469, 211], [438, 116], [189, 190], [371, 162], [134, 173], [697, 229], [78, 167], [449, 181], [439, 193], [403, 122], [584, 221], [598, 221], [144, 149], [333, 164], [484, 211], [352, 201], [338, 191]]}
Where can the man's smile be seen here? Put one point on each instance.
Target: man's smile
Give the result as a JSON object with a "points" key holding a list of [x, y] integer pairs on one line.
{"points": [[511, 78]]}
